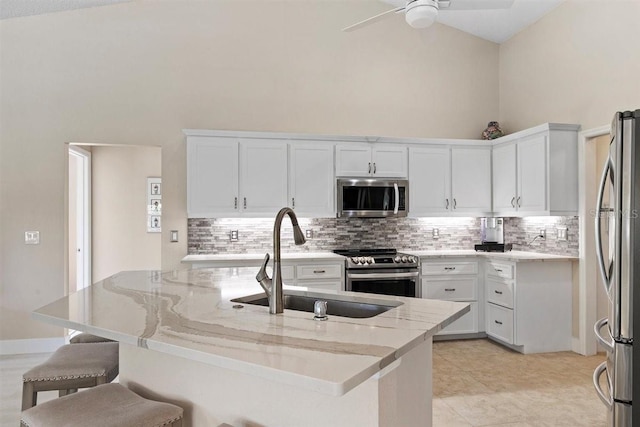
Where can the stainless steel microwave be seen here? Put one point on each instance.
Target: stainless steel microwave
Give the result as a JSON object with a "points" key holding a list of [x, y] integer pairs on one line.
{"points": [[372, 198]]}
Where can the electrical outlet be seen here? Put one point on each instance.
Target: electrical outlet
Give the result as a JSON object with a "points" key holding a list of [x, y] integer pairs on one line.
{"points": [[31, 237], [562, 233], [435, 233], [233, 236], [308, 234], [543, 233]]}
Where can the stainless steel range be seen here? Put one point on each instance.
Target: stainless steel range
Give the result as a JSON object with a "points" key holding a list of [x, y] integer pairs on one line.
{"points": [[381, 271]]}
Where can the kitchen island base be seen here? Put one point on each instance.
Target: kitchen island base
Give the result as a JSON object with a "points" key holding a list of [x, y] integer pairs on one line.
{"points": [[400, 395]]}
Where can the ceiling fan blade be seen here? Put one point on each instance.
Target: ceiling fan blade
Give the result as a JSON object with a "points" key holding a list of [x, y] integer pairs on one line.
{"points": [[373, 19], [474, 4]]}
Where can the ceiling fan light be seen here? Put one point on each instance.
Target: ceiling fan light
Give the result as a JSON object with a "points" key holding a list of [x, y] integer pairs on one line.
{"points": [[421, 13]]}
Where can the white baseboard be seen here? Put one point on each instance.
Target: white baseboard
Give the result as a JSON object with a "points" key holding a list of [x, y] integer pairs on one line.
{"points": [[576, 346], [34, 345]]}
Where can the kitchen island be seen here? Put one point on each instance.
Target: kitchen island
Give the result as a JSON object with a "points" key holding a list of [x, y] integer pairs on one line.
{"points": [[183, 340]]}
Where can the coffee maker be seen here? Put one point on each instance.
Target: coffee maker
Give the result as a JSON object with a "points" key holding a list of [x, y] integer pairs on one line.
{"points": [[492, 236]]}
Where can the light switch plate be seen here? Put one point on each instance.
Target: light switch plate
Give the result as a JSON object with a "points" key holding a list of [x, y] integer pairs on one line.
{"points": [[435, 233], [174, 236], [562, 233], [31, 237], [233, 235], [308, 234]]}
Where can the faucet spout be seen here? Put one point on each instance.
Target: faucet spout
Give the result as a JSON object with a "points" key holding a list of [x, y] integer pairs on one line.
{"points": [[273, 286]]}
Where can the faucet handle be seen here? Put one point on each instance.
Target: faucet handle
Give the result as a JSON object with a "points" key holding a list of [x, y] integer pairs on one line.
{"points": [[262, 273]]}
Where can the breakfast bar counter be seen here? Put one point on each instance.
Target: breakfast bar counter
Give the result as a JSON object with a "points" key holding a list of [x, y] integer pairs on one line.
{"points": [[184, 341]]}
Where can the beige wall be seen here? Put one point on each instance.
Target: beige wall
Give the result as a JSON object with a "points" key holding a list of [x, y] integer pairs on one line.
{"points": [[578, 64], [119, 210], [137, 73]]}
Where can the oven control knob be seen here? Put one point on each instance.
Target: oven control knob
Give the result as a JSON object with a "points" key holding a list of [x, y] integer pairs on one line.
{"points": [[397, 259], [369, 260], [354, 259], [404, 258], [412, 259]]}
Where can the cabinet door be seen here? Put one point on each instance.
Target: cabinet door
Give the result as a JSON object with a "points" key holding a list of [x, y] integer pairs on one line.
{"points": [[212, 177], [471, 181], [532, 175], [263, 184], [467, 324], [353, 160], [504, 178], [389, 161], [311, 183], [429, 181]]}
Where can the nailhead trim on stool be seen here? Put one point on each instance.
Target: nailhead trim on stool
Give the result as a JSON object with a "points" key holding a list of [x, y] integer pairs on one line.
{"points": [[71, 367], [107, 405]]}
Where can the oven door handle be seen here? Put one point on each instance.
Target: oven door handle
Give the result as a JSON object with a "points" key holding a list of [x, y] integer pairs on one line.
{"points": [[382, 275]]}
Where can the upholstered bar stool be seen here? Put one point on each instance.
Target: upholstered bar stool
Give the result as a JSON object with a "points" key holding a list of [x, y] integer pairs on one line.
{"points": [[85, 338], [107, 405], [71, 367]]}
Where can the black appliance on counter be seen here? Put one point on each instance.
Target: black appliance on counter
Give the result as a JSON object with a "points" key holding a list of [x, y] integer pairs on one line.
{"points": [[381, 271], [492, 236]]}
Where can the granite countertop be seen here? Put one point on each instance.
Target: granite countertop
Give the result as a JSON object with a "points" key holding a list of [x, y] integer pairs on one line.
{"points": [[507, 256], [188, 313]]}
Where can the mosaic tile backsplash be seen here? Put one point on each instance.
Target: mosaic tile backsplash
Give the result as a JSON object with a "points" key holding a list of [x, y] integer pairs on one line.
{"points": [[212, 235]]}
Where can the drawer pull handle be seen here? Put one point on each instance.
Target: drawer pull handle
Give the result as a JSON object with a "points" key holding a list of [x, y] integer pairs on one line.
{"points": [[450, 289], [498, 322], [499, 270], [319, 271], [449, 268], [498, 292]]}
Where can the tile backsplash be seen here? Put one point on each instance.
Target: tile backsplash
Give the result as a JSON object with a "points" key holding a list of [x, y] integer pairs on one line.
{"points": [[212, 235]]}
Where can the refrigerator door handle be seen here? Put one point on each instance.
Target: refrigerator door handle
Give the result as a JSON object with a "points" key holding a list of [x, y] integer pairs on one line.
{"points": [[596, 383], [603, 270], [608, 345]]}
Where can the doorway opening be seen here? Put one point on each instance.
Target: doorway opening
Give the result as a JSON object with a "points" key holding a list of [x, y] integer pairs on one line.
{"points": [[79, 219]]}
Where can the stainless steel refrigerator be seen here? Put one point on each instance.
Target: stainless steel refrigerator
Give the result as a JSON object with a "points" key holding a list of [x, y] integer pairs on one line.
{"points": [[620, 268]]}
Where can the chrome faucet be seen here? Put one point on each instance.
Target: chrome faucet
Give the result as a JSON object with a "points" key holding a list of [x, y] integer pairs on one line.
{"points": [[273, 287]]}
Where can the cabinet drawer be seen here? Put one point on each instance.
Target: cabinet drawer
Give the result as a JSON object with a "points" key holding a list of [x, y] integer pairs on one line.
{"points": [[449, 268], [467, 324], [500, 293], [453, 289], [498, 269], [287, 272], [500, 323], [318, 271], [312, 285]]}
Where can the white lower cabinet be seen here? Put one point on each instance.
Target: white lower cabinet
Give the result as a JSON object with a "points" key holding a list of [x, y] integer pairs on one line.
{"points": [[528, 304], [320, 276], [455, 280]]}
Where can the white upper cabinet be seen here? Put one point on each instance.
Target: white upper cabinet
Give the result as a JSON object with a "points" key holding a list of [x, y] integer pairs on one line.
{"points": [[311, 183], [429, 181], [504, 178], [367, 160], [228, 178], [212, 177], [447, 181], [263, 177], [471, 181], [536, 172]]}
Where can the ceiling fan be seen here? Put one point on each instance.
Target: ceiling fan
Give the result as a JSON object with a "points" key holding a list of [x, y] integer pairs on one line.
{"points": [[423, 13]]}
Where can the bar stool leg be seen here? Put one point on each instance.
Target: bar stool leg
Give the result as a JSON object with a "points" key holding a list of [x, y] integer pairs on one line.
{"points": [[29, 397]]}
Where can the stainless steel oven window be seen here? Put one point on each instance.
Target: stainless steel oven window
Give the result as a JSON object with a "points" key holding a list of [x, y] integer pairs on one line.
{"points": [[357, 281]]}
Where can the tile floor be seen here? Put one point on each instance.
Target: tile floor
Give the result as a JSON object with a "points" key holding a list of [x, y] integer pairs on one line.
{"points": [[481, 383], [476, 383]]}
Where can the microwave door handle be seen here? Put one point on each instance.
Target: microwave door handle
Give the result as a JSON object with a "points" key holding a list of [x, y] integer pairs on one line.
{"points": [[603, 270], [397, 205]]}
